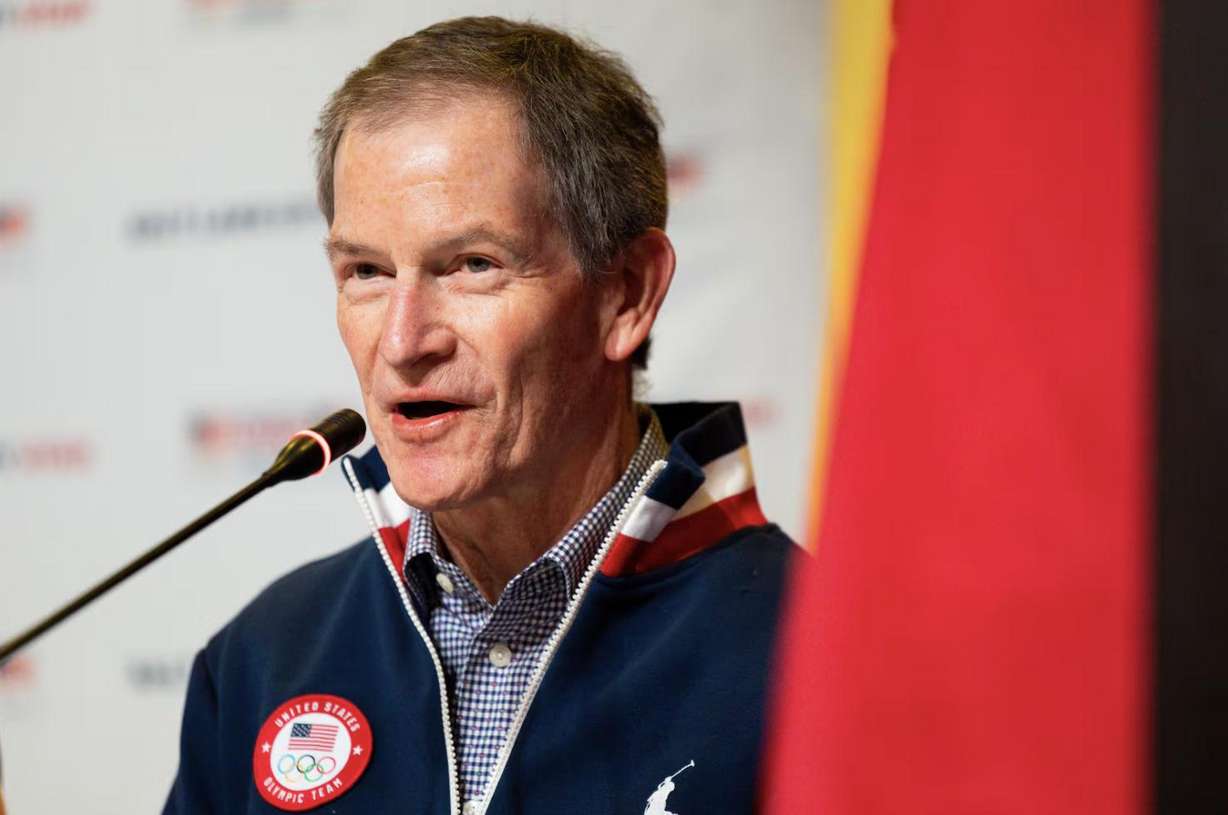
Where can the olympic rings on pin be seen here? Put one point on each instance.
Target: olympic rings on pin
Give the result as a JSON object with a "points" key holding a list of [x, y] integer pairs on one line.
{"points": [[291, 767]]}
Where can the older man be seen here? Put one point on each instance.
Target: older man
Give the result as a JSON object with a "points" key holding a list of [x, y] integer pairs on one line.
{"points": [[569, 597]]}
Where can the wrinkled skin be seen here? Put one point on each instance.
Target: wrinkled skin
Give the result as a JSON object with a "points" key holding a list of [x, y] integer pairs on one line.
{"points": [[455, 285]]}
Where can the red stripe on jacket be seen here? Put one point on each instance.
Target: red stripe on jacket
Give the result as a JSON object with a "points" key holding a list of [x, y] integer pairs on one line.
{"points": [[682, 538], [395, 540]]}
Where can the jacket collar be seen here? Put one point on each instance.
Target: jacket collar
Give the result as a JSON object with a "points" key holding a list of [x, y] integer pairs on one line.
{"points": [[705, 492]]}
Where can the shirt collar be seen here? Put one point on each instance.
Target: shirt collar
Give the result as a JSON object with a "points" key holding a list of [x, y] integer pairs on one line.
{"points": [[571, 555]]}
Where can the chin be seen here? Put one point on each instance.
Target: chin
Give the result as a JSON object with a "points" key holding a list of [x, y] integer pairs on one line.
{"points": [[432, 484]]}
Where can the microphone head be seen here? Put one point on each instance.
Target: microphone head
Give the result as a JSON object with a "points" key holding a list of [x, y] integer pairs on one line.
{"points": [[310, 451]]}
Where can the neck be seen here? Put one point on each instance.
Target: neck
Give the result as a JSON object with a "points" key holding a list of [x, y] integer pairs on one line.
{"points": [[494, 540]]}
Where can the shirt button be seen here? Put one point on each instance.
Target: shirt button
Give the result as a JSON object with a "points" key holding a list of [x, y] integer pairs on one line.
{"points": [[444, 582], [500, 655], [471, 808]]}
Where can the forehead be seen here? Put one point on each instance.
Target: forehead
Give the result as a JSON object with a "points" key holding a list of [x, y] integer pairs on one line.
{"points": [[468, 144]]}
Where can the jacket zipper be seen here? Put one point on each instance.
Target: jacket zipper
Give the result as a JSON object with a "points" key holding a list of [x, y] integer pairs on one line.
{"points": [[552, 644], [398, 581], [560, 631]]}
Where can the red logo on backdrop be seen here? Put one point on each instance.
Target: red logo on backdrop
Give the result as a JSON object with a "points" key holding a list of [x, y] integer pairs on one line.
{"points": [[43, 13], [229, 435], [310, 751], [760, 411], [16, 671], [50, 455], [222, 434], [243, 12], [14, 222], [683, 172]]}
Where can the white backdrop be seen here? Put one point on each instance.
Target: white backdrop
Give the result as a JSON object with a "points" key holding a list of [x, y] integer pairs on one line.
{"points": [[166, 316]]}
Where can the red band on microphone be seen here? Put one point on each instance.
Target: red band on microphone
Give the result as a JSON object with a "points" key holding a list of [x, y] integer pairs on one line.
{"points": [[320, 440]]}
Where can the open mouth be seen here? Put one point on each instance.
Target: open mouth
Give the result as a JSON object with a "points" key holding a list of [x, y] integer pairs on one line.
{"points": [[425, 410]]}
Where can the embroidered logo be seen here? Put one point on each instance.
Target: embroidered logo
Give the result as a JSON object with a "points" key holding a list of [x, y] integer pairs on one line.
{"points": [[657, 801], [309, 751]]}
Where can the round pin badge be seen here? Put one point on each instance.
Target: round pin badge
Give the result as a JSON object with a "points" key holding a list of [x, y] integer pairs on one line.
{"points": [[310, 751]]}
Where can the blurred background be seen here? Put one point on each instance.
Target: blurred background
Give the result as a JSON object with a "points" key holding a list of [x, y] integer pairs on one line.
{"points": [[166, 316]]}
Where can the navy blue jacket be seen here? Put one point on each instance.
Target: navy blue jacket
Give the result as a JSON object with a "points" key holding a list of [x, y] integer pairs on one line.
{"points": [[662, 659]]}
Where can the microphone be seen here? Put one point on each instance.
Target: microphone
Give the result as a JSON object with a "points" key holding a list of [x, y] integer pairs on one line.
{"points": [[309, 452]]}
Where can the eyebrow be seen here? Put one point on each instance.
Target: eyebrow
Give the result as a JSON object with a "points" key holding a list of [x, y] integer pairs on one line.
{"points": [[337, 246], [484, 233], [340, 246]]}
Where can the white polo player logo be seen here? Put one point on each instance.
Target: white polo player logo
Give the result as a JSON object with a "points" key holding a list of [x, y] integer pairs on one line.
{"points": [[657, 801]]}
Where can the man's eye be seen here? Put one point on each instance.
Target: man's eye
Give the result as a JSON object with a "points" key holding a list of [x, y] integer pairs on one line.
{"points": [[476, 264], [365, 271]]}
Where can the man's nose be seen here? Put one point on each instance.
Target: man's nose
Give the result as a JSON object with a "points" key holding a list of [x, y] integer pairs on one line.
{"points": [[415, 328]]}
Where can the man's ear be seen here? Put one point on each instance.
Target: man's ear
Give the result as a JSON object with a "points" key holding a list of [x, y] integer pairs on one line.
{"points": [[644, 268]]}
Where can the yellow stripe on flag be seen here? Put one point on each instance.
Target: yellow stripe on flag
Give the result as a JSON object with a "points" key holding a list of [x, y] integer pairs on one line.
{"points": [[860, 48]]}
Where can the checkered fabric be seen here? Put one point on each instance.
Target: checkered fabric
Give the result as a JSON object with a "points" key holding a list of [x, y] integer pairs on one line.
{"points": [[489, 652]]}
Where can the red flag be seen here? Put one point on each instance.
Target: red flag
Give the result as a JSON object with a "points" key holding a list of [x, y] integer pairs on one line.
{"points": [[972, 634]]}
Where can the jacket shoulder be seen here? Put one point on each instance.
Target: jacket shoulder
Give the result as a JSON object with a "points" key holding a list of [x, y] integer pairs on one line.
{"points": [[312, 597]]}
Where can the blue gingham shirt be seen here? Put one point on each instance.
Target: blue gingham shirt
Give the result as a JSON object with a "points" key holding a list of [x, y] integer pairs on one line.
{"points": [[489, 651]]}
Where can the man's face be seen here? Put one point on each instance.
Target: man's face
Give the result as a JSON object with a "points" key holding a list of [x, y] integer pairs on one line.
{"points": [[477, 345]]}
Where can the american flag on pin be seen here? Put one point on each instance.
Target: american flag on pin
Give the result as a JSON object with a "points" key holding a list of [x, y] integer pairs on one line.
{"points": [[304, 736]]}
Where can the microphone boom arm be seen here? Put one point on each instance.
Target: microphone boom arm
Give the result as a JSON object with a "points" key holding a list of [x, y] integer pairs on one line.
{"points": [[308, 452], [102, 587]]}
